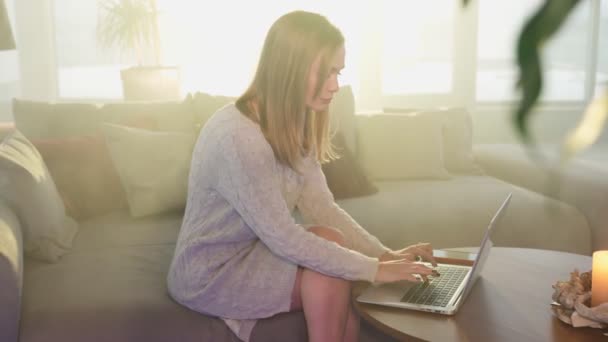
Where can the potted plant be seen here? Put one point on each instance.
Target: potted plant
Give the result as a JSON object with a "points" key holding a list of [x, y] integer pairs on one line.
{"points": [[132, 27]]}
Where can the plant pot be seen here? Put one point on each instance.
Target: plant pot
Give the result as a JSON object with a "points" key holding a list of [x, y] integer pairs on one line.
{"points": [[151, 83]]}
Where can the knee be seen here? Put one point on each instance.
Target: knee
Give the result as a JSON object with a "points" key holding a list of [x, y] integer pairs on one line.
{"points": [[329, 233]]}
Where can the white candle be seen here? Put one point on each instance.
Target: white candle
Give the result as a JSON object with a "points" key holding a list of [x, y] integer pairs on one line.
{"points": [[599, 278]]}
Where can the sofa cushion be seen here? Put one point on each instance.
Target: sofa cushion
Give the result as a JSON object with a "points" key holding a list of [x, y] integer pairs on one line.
{"points": [[84, 174], [345, 177], [580, 182], [83, 170], [456, 212], [204, 105], [112, 287], [47, 230], [458, 141], [153, 167], [11, 273], [342, 115], [45, 120], [394, 147], [457, 129], [119, 229], [178, 116]]}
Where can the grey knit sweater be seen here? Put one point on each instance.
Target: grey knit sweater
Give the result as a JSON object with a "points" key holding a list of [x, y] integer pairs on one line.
{"points": [[239, 246]]}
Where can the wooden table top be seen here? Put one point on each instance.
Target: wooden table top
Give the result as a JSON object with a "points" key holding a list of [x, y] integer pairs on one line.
{"points": [[510, 302]]}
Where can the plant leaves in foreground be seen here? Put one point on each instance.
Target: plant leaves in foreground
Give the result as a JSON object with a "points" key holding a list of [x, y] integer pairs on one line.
{"points": [[538, 29], [589, 128]]}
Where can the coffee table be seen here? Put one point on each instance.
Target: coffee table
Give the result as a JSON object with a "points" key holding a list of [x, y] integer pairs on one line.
{"points": [[510, 302]]}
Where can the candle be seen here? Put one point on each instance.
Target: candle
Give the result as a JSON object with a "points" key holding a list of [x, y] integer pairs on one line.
{"points": [[599, 278]]}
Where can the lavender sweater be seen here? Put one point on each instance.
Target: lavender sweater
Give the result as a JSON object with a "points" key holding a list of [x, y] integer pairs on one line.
{"points": [[239, 247]]}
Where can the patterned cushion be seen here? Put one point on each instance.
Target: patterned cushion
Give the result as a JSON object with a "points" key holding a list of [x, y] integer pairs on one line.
{"points": [[47, 231]]}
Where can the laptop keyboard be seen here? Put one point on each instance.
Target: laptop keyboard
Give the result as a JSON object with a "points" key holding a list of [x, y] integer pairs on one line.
{"points": [[438, 290]]}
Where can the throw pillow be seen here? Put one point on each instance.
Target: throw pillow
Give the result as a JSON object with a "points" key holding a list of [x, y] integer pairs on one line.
{"points": [[84, 174], [345, 177], [458, 141], [47, 231], [153, 167], [402, 147], [342, 115], [457, 137]]}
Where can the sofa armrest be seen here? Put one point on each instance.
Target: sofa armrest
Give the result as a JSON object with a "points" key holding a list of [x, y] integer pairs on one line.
{"points": [[11, 274], [578, 183]]}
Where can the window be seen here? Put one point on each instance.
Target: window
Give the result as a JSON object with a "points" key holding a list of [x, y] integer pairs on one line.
{"points": [[601, 77], [565, 58], [84, 70], [417, 54], [217, 47], [9, 63], [400, 53]]}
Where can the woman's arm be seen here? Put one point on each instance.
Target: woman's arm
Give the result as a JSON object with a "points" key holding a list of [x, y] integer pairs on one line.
{"points": [[317, 204], [248, 180]]}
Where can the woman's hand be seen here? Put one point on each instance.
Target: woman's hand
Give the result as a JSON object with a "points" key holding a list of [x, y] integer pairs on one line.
{"points": [[395, 270], [417, 252]]}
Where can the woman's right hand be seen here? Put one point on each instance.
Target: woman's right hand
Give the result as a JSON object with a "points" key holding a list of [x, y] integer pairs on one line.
{"points": [[396, 270]]}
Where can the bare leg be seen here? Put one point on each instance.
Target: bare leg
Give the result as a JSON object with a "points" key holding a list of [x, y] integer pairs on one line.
{"points": [[325, 300], [352, 326]]}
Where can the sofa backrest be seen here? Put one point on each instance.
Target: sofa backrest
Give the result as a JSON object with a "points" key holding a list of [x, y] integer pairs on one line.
{"points": [[44, 120], [416, 144], [93, 178], [11, 273]]}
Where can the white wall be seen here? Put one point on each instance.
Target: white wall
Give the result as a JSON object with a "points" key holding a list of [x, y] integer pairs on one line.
{"points": [[6, 112]]}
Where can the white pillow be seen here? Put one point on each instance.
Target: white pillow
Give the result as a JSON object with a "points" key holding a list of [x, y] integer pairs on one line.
{"points": [[153, 167], [29, 189], [458, 141], [402, 146]]}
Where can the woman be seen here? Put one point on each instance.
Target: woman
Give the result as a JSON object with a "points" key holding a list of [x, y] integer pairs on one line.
{"points": [[240, 255]]}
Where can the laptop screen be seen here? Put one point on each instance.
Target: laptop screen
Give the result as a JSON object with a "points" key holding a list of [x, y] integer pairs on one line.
{"points": [[486, 245]]}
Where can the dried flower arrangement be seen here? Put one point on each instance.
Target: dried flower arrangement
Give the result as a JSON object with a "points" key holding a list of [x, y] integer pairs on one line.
{"points": [[572, 299]]}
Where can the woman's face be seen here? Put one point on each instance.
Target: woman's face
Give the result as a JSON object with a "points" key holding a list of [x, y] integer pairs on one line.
{"points": [[330, 86]]}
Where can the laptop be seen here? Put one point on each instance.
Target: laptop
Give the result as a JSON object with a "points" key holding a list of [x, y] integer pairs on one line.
{"points": [[444, 294]]}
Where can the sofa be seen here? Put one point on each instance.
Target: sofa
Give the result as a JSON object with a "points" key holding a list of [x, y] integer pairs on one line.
{"points": [[406, 177]]}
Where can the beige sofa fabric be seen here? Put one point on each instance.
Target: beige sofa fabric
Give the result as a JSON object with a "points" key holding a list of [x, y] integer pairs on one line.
{"points": [[579, 183], [454, 213], [458, 141], [342, 117], [43, 120], [11, 273], [394, 147], [47, 230], [153, 167], [112, 287]]}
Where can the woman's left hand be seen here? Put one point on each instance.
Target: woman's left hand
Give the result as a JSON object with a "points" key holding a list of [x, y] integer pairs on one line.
{"points": [[419, 251]]}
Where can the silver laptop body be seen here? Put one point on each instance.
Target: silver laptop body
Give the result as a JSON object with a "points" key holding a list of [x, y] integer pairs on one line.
{"points": [[443, 294]]}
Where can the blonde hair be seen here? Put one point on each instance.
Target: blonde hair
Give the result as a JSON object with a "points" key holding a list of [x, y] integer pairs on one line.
{"points": [[279, 86]]}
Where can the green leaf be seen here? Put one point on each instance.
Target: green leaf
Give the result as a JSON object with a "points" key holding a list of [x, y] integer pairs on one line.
{"points": [[538, 29]]}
